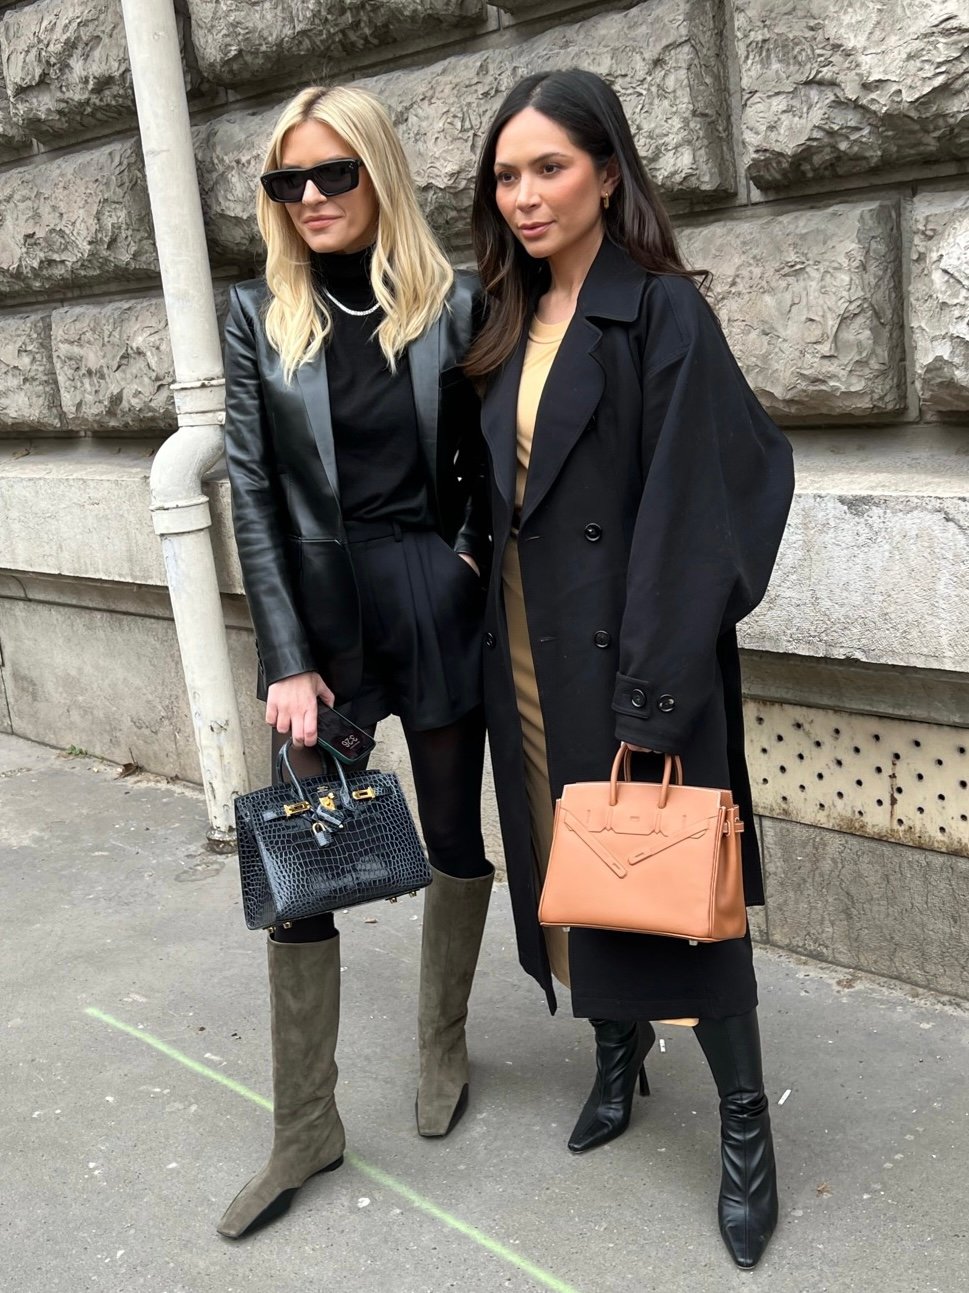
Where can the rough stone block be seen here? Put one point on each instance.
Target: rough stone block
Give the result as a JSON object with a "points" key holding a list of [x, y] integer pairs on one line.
{"points": [[66, 65], [81, 218], [237, 40], [662, 57], [831, 88], [29, 399], [114, 366], [873, 906], [13, 139], [940, 300], [871, 573], [810, 301]]}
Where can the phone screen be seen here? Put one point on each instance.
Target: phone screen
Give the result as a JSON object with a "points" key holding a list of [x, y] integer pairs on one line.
{"points": [[341, 737]]}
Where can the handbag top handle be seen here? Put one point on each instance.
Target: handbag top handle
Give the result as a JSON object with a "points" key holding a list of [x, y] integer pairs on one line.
{"points": [[282, 761], [672, 763]]}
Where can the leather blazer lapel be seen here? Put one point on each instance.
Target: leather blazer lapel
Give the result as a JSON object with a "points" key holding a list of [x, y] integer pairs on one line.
{"points": [[571, 395], [425, 374], [316, 397], [499, 424]]}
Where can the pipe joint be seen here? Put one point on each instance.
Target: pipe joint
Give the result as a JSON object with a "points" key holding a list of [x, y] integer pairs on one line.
{"points": [[182, 516], [205, 397]]}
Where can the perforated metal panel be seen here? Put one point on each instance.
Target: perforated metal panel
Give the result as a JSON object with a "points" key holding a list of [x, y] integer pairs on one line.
{"points": [[895, 780]]}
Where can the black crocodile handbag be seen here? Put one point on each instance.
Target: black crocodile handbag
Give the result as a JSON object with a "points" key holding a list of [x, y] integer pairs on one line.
{"points": [[314, 846]]}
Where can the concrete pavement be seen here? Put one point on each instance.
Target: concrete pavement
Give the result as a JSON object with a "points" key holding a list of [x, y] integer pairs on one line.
{"points": [[134, 1053]]}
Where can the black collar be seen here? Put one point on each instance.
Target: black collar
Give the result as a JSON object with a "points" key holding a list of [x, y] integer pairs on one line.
{"points": [[613, 287]]}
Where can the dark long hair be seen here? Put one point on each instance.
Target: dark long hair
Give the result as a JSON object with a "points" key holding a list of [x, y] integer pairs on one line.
{"points": [[589, 111]]}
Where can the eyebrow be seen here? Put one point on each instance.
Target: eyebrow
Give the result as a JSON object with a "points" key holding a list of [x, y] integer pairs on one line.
{"points": [[545, 157], [291, 166]]}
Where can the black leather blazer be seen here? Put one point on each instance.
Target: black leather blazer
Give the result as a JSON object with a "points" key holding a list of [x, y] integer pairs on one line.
{"points": [[286, 496]]}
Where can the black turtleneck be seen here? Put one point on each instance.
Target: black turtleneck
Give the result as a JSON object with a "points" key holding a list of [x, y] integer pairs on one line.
{"points": [[383, 476]]}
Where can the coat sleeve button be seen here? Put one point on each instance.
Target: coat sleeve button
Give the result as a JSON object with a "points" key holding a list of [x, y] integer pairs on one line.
{"points": [[602, 638], [637, 699], [593, 532], [666, 704], [489, 639]]}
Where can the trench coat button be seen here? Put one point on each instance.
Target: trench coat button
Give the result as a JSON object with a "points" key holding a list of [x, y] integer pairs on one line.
{"points": [[666, 704], [602, 638], [489, 639], [593, 532], [637, 699]]}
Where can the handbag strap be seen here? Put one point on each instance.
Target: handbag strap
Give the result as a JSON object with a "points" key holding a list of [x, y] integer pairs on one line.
{"points": [[594, 846], [672, 769]]}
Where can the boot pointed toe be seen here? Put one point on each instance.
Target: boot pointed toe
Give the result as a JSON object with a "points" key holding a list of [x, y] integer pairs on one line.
{"points": [[621, 1049]]}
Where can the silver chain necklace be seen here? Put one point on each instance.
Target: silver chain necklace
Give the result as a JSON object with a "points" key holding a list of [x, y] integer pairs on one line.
{"points": [[357, 314]]}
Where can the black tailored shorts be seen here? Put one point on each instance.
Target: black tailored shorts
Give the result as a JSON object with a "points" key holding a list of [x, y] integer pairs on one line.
{"points": [[421, 609]]}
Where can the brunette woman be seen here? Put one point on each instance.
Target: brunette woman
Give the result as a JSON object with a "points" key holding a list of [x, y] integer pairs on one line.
{"points": [[352, 440], [639, 497]]}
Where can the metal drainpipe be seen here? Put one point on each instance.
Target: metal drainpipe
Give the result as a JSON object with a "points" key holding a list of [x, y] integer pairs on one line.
{"points": [[179, 508]]}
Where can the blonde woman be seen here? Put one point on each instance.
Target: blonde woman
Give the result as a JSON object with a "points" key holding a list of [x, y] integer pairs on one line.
{"points": [[354, 455]]}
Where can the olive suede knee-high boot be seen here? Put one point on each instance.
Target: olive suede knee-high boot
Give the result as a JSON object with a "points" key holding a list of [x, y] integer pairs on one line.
{"points": [[748, 1189], [304, 989], [454, 919]]}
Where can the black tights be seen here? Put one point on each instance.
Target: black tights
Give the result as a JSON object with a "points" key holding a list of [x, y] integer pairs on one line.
{"points": [[447, 764]]}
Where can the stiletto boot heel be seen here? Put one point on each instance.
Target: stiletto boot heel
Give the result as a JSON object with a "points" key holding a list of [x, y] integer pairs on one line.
{"points": [[621, 1049]]}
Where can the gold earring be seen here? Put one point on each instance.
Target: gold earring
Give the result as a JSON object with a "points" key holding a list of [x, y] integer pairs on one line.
{"points": [[605, 201]]}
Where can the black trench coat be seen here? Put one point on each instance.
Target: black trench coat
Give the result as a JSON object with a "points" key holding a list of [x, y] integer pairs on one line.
{"points": [[657, 494]]}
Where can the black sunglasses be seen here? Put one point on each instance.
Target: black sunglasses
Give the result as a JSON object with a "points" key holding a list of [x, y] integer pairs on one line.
{"points": [[331, 178]]}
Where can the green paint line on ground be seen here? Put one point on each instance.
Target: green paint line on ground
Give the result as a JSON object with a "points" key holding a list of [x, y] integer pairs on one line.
{"points": [[202, 1069], [492, 1246]]}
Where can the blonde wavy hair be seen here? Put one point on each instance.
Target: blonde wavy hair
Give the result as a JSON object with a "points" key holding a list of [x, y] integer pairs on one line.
{"points": [[410, 274]]}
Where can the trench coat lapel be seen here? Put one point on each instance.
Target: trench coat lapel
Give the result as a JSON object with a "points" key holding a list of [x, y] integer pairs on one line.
{"points": [[499, 425], [424, 361], [571, 395], [612, 291], [316, 398]]}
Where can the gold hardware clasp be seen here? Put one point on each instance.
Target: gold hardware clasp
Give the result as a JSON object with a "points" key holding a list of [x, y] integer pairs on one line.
{"points": [[369, 793], [328, 802], [301, 806]]}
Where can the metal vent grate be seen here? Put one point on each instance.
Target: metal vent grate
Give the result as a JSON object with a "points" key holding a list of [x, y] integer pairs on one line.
{"points": [[889, 778]]}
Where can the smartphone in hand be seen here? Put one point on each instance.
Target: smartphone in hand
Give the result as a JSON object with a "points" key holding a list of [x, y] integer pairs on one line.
{"points": [[339, 737]]}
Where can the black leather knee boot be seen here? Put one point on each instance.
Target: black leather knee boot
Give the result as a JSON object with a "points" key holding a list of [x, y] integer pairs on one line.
{"points": [[621, 1049], [748, 1188]]}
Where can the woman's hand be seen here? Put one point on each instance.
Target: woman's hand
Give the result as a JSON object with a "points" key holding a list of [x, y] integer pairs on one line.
{"points": [[291, 705], [466, 556], [642, 749]]}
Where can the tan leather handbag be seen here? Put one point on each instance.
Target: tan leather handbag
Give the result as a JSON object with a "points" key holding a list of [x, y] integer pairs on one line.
{"points": [[646, 858]]}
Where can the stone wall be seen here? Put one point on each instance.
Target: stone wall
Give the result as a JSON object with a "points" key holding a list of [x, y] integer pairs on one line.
{"points": [[815, 154]]}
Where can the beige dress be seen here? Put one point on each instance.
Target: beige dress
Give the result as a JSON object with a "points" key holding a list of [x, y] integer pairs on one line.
{"points": [[543, 344]]}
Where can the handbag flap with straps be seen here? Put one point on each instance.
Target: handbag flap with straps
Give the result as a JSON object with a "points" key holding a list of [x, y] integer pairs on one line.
{"points": [[646, 858]]}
